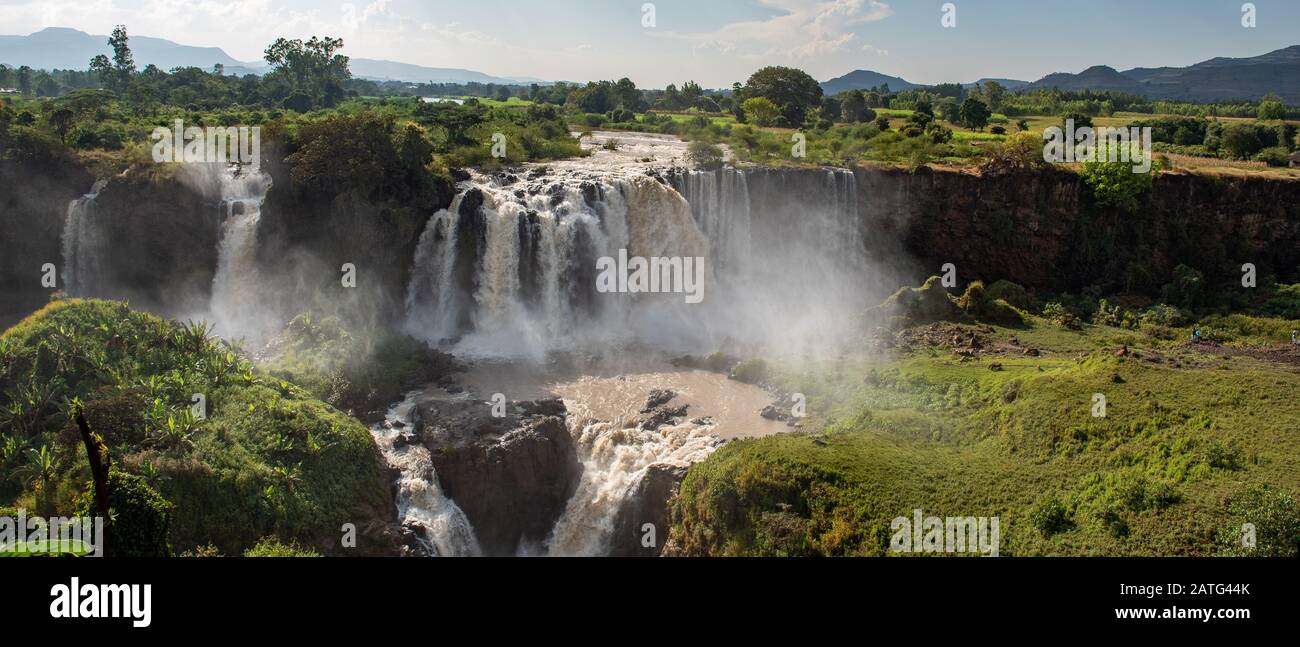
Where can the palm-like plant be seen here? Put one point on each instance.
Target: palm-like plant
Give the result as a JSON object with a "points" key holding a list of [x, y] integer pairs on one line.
{"points": [[38, 472], [176, 433]]}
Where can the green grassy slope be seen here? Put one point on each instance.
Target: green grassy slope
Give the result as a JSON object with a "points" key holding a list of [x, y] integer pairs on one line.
{"points": [[1187, 430], [268, 460]]}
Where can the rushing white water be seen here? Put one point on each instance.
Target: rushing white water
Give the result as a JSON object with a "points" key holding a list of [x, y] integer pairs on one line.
{"points": [[235, 299], [419, 498], [614, 460], [515, 276], [85, 247], [509, 271]]}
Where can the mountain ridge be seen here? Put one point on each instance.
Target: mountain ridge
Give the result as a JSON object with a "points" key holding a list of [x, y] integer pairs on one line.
{"points": [[71, 49]]}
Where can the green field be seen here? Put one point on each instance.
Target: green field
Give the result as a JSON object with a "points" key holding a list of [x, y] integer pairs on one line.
{"points": [[1010, 435]]}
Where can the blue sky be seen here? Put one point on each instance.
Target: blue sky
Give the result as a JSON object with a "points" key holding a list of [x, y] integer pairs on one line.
{"points": [[714, 42]]}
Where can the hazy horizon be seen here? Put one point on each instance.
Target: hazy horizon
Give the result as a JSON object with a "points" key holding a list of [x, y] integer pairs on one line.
{"points": [[718, 42]]}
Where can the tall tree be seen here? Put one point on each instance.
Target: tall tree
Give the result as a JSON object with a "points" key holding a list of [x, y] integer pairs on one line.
{"points": [[974, 114], [792, 90], [853, 106], [314, 68]]}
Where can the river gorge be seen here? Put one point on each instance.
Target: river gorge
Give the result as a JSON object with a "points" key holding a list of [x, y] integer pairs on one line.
{"points": [[579, 410]]}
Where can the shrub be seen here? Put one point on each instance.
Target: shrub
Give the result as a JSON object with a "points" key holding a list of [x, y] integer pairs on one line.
{"points": [[1275, 517], [141, 517], [1163, 314], [1010, 292], [977, 303], [271, 547], [704, 156], [750, 371], [1020, 152], [1186, 288], [1115, 184], [1276, 156], [1049, 516], [1061, 316]]}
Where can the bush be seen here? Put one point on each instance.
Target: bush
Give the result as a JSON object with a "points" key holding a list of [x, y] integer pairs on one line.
{"points": [[1163, 314], [1186, 289], [141, 517], [1276, 156], [704, 156], [977, 303], [1061, 316], [750, 371], [107, 136], [1049, 516], [1009, 292], [1276, 520], [271, 547], [1021, 152], [1115, 184]]}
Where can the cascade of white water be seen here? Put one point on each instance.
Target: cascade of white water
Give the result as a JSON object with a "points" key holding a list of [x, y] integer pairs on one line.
{"points": [[235, 300], [514, 276], [431, 293], [614, 460], [527, 263], [85, 247], [420, 500]]}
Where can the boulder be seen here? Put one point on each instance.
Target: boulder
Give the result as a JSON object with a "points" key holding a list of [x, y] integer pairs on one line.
{"points": [[511, 476]]}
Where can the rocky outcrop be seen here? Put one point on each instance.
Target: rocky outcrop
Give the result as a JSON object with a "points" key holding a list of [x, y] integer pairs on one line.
{"points": [[642, 524], [511, 475], [1045, 232], [33, 206]]}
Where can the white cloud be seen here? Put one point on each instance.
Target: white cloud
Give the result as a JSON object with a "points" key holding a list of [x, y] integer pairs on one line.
{"points": [[804, 29]]}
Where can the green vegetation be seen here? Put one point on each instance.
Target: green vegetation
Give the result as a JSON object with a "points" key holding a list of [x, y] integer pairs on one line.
{"points": [[268, 459], [1186, 429], [353, 372], [270, 547]]}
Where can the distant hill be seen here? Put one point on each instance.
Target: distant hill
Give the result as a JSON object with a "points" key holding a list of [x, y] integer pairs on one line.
{"points": [[1218, 79], [70, 49], [865, 80], [1010, 84], [378, 70]]}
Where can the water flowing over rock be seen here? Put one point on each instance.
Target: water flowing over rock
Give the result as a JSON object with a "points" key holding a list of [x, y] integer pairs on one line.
{"points": [[511, 474], [85, 246], [614, 499], [439, 526], [510, 268], [235, 301]]}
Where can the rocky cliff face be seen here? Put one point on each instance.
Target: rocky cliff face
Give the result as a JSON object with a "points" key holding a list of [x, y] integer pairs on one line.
{"points": [[1045, 232], [511, 475], [648, 503], [33, 205]]}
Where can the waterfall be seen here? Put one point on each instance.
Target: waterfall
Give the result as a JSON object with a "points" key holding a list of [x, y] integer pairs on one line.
{"points": [[85, 247], [420, 501], [720, 204], [511, 271], [614, 460], [235, 303], [508, 271]]}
